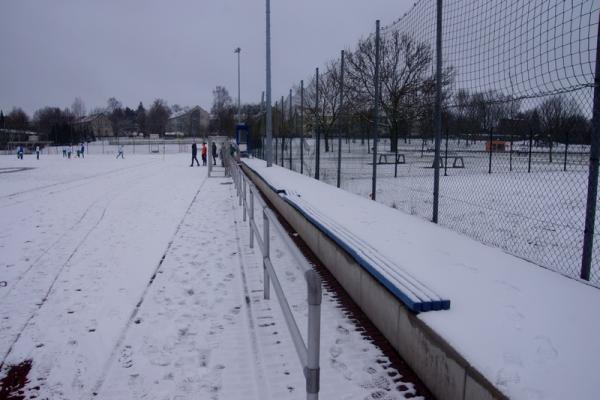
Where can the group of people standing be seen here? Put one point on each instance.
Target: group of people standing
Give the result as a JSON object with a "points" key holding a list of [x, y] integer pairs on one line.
{"points": [[67, 151], [21, 152], [203, 152]]}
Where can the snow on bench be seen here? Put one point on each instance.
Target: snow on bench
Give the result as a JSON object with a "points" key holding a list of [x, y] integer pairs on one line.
{"points": [[413, 293]]}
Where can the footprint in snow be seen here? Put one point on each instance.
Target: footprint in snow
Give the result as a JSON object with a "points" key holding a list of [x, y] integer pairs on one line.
{"points": [[125, 358], [544, 350], [341, 330], [341, 368]]}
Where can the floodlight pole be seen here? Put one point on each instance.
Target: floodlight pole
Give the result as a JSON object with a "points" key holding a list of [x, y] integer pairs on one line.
{"points": [[239, 115], [269, 146]]}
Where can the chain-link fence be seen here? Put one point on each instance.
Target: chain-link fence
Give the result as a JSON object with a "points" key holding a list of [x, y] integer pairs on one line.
{"points": [[514, 142]]}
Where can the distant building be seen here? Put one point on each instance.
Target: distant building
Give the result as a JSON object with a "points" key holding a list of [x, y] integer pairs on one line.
{"points": [[98, 125], [189, 122]]}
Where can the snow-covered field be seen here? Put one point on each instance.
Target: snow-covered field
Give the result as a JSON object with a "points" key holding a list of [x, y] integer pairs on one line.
{"points": [[537, 215], [127, 279]]}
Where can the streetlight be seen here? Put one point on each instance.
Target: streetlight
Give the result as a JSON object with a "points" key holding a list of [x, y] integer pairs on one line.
{"points": [[239, 116], [269, 130]]}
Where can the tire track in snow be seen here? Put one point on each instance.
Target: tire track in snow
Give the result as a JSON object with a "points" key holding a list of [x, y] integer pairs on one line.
{"points": [[49, 291], [68, 231], [87, 180], [44, 299], [96, 388]]}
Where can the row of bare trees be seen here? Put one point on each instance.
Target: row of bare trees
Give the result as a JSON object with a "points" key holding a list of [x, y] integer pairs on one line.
{"points": [[407, 87], [57, 124], [555, 119]]}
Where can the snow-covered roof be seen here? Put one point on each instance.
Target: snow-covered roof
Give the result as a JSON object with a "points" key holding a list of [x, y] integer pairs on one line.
{"points": [[89, 118], [187, 110]]}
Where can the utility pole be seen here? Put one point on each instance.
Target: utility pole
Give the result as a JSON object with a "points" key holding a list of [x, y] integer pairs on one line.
{"points": [[239, 115], [268, 105]]}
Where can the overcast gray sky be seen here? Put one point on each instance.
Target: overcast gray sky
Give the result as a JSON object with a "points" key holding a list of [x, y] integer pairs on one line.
{"points": [[179, 50]]}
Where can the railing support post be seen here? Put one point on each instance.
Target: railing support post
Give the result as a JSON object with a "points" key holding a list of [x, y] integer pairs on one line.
{"points": [[266, 250], [245, 203], [240, 178], [251, 218], [312, 372]]}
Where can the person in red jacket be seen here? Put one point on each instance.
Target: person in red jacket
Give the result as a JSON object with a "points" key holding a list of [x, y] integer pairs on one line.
{"points": [[204, 151]]}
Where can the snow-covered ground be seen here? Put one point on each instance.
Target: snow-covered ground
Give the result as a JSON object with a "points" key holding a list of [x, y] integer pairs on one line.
{"points": [[529, 331], [127, 279]]}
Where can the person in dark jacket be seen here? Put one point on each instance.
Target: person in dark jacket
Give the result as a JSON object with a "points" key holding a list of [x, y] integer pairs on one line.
{"points": [[214, 153], [194, 154]]}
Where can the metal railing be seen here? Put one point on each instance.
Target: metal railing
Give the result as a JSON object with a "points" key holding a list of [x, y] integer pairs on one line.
{"points": [[308, 353]]}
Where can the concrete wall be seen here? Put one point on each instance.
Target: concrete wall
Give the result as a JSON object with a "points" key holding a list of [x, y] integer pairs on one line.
{"points": [[442, 369]]}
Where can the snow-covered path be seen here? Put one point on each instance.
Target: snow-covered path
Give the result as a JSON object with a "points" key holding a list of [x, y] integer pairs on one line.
{"points": [[133, 278]]}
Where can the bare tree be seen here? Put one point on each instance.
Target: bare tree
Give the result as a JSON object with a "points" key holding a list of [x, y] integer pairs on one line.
{"points": [[222, 111], [404, 79], [78, 108], [157, 117], [556, 114], [58, 125], [557, 117], [17, 119], [478, 113], [326, 113], [112, 104]]}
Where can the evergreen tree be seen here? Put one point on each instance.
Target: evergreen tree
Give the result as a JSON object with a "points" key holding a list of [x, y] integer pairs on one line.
{"points": [[140, 118]]}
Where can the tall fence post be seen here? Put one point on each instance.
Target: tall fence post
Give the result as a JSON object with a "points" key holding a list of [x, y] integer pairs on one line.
{"points": [[491, 143], [290, 127], [314, 328], [510, 155], [566, 150], [281, 130], [302, 127], [437, 112], [530, 150], [376, 114], [446, 155], [396, 157], [251, 223], [592, 194], [340, 125], [266, 255], [317, 128]]}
